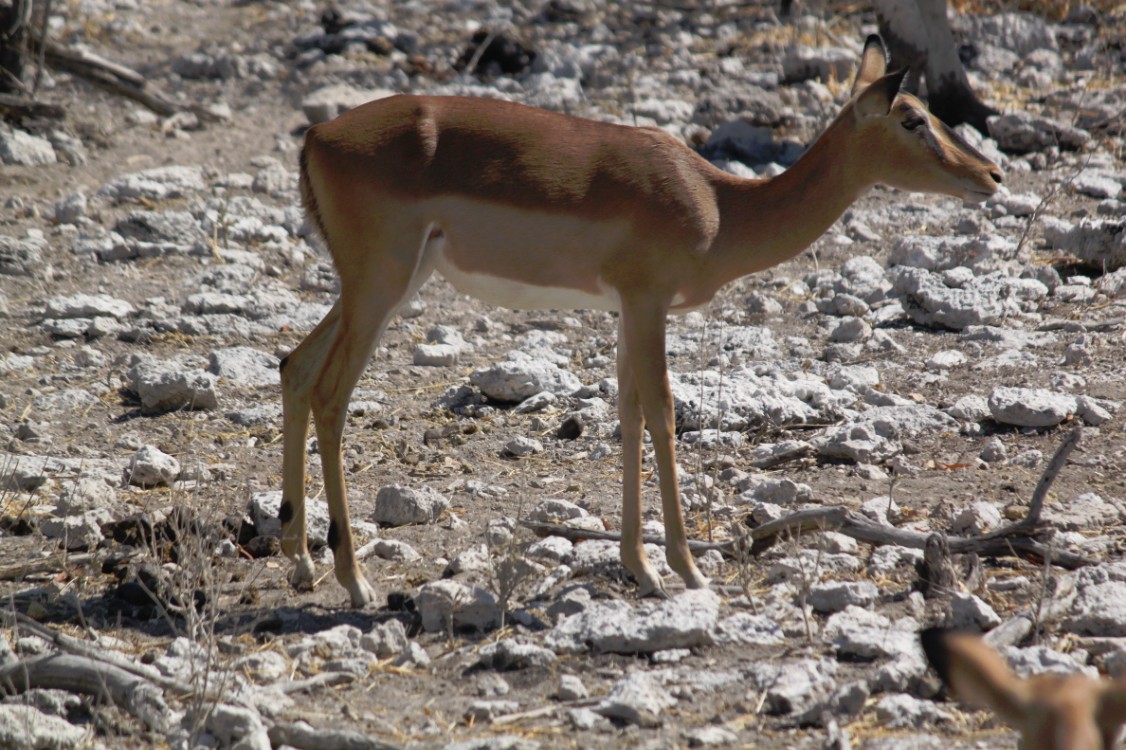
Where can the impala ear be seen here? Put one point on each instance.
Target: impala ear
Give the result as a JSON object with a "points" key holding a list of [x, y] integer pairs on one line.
{"points": [[873, 64], [976, 673], [877, 98]]}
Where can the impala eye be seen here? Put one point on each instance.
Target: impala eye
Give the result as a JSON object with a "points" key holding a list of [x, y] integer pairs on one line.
{"points": [[913, 123]]}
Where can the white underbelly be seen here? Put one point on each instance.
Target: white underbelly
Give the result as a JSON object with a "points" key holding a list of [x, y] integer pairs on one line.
{"points": [[517, 295]]}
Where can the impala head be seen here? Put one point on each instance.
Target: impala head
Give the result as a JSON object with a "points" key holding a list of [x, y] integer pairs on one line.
{"points": [[907, 147], [1051, 712]]}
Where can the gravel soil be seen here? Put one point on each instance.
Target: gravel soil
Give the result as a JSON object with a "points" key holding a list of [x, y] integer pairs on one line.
{"points": [[69, 400]]}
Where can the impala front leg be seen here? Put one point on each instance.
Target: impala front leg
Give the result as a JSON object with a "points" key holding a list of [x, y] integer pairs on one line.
{"points": [[643, 330], [633, 425]]}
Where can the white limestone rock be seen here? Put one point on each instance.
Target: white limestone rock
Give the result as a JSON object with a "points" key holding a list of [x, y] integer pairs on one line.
{"points": [[791, 686], [684, 621], [878, 433], [903, 711], [397, 505], [87, 306], [1030, 407], [986, 300], [522, 376], [834, 596], [20, 147], [157, 184], [638, 699], [150, 467], [245, 366], [971, 612], [452, 605], [28, 728], [169, 385], [1098, 242], [1100, 609]]}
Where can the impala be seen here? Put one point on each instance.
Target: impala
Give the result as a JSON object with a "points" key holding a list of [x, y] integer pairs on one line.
{"points": [[532, 209], [1051, 711]]}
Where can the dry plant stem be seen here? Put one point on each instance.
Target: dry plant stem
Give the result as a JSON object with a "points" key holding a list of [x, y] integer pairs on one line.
{"points": [[1046, 201], [1014, 539], [302, 736], [1055, 466], [140, 697]]}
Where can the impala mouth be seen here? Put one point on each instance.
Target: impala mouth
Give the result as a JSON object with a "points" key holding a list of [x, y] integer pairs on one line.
{"points": [[977, 196]]}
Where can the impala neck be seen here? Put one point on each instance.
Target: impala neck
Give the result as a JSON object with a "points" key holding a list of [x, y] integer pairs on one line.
{"points": [[765, 222]]}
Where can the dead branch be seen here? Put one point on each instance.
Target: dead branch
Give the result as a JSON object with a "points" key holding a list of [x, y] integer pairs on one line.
{"points": [[92, 651], [304, 737], [115, 78], [1015, 539], [536, 713], [1054, 467], [22, 108], [45, 565], [324, 679], [78, 674]]}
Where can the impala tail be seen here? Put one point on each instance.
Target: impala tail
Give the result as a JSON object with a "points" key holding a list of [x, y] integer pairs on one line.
{"points": [[308, 197], [1051, 711]]}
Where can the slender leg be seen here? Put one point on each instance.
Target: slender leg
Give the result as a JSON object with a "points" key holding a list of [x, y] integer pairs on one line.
{"points": [[643, 330], [347, 357], [633, 423], [370, 293], [298, 373]]}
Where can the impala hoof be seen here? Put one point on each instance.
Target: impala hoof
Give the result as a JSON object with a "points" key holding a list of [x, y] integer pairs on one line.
{"points": [[362, 593], [652, 587], [302, 577], [696, 580]]}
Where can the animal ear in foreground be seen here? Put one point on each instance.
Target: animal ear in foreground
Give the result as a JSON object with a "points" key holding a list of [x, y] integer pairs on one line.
{"points": [[1050, 711], [531, 209]]}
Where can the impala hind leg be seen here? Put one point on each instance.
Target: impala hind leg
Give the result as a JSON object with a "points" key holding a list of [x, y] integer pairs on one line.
{"points": [[299, 371], [382, 276], [646, 383]]}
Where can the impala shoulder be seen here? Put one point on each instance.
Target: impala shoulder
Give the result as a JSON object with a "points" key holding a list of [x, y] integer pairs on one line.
{"points": [[692, 181]]}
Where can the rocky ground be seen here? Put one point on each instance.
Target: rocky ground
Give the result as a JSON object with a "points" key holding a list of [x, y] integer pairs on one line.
{"points": [[919, 366]]}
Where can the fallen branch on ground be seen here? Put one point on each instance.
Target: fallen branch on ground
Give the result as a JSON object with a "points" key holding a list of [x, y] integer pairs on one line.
{"points": [[324, 679], [301, 735], [1015, 539], [46, 565], [23, 108], [92, 651], [78, 674], [115, 78]]}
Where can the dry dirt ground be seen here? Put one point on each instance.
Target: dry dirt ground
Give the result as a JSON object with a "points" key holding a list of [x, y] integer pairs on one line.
{"points": [[411, 442]]}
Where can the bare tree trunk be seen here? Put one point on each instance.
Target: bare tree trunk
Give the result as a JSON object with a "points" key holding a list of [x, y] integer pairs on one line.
{"points": [[917, 34], [14, 20]]}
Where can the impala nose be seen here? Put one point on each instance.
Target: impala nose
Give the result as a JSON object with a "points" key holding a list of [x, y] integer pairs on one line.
{"points": [[997, 175]]}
